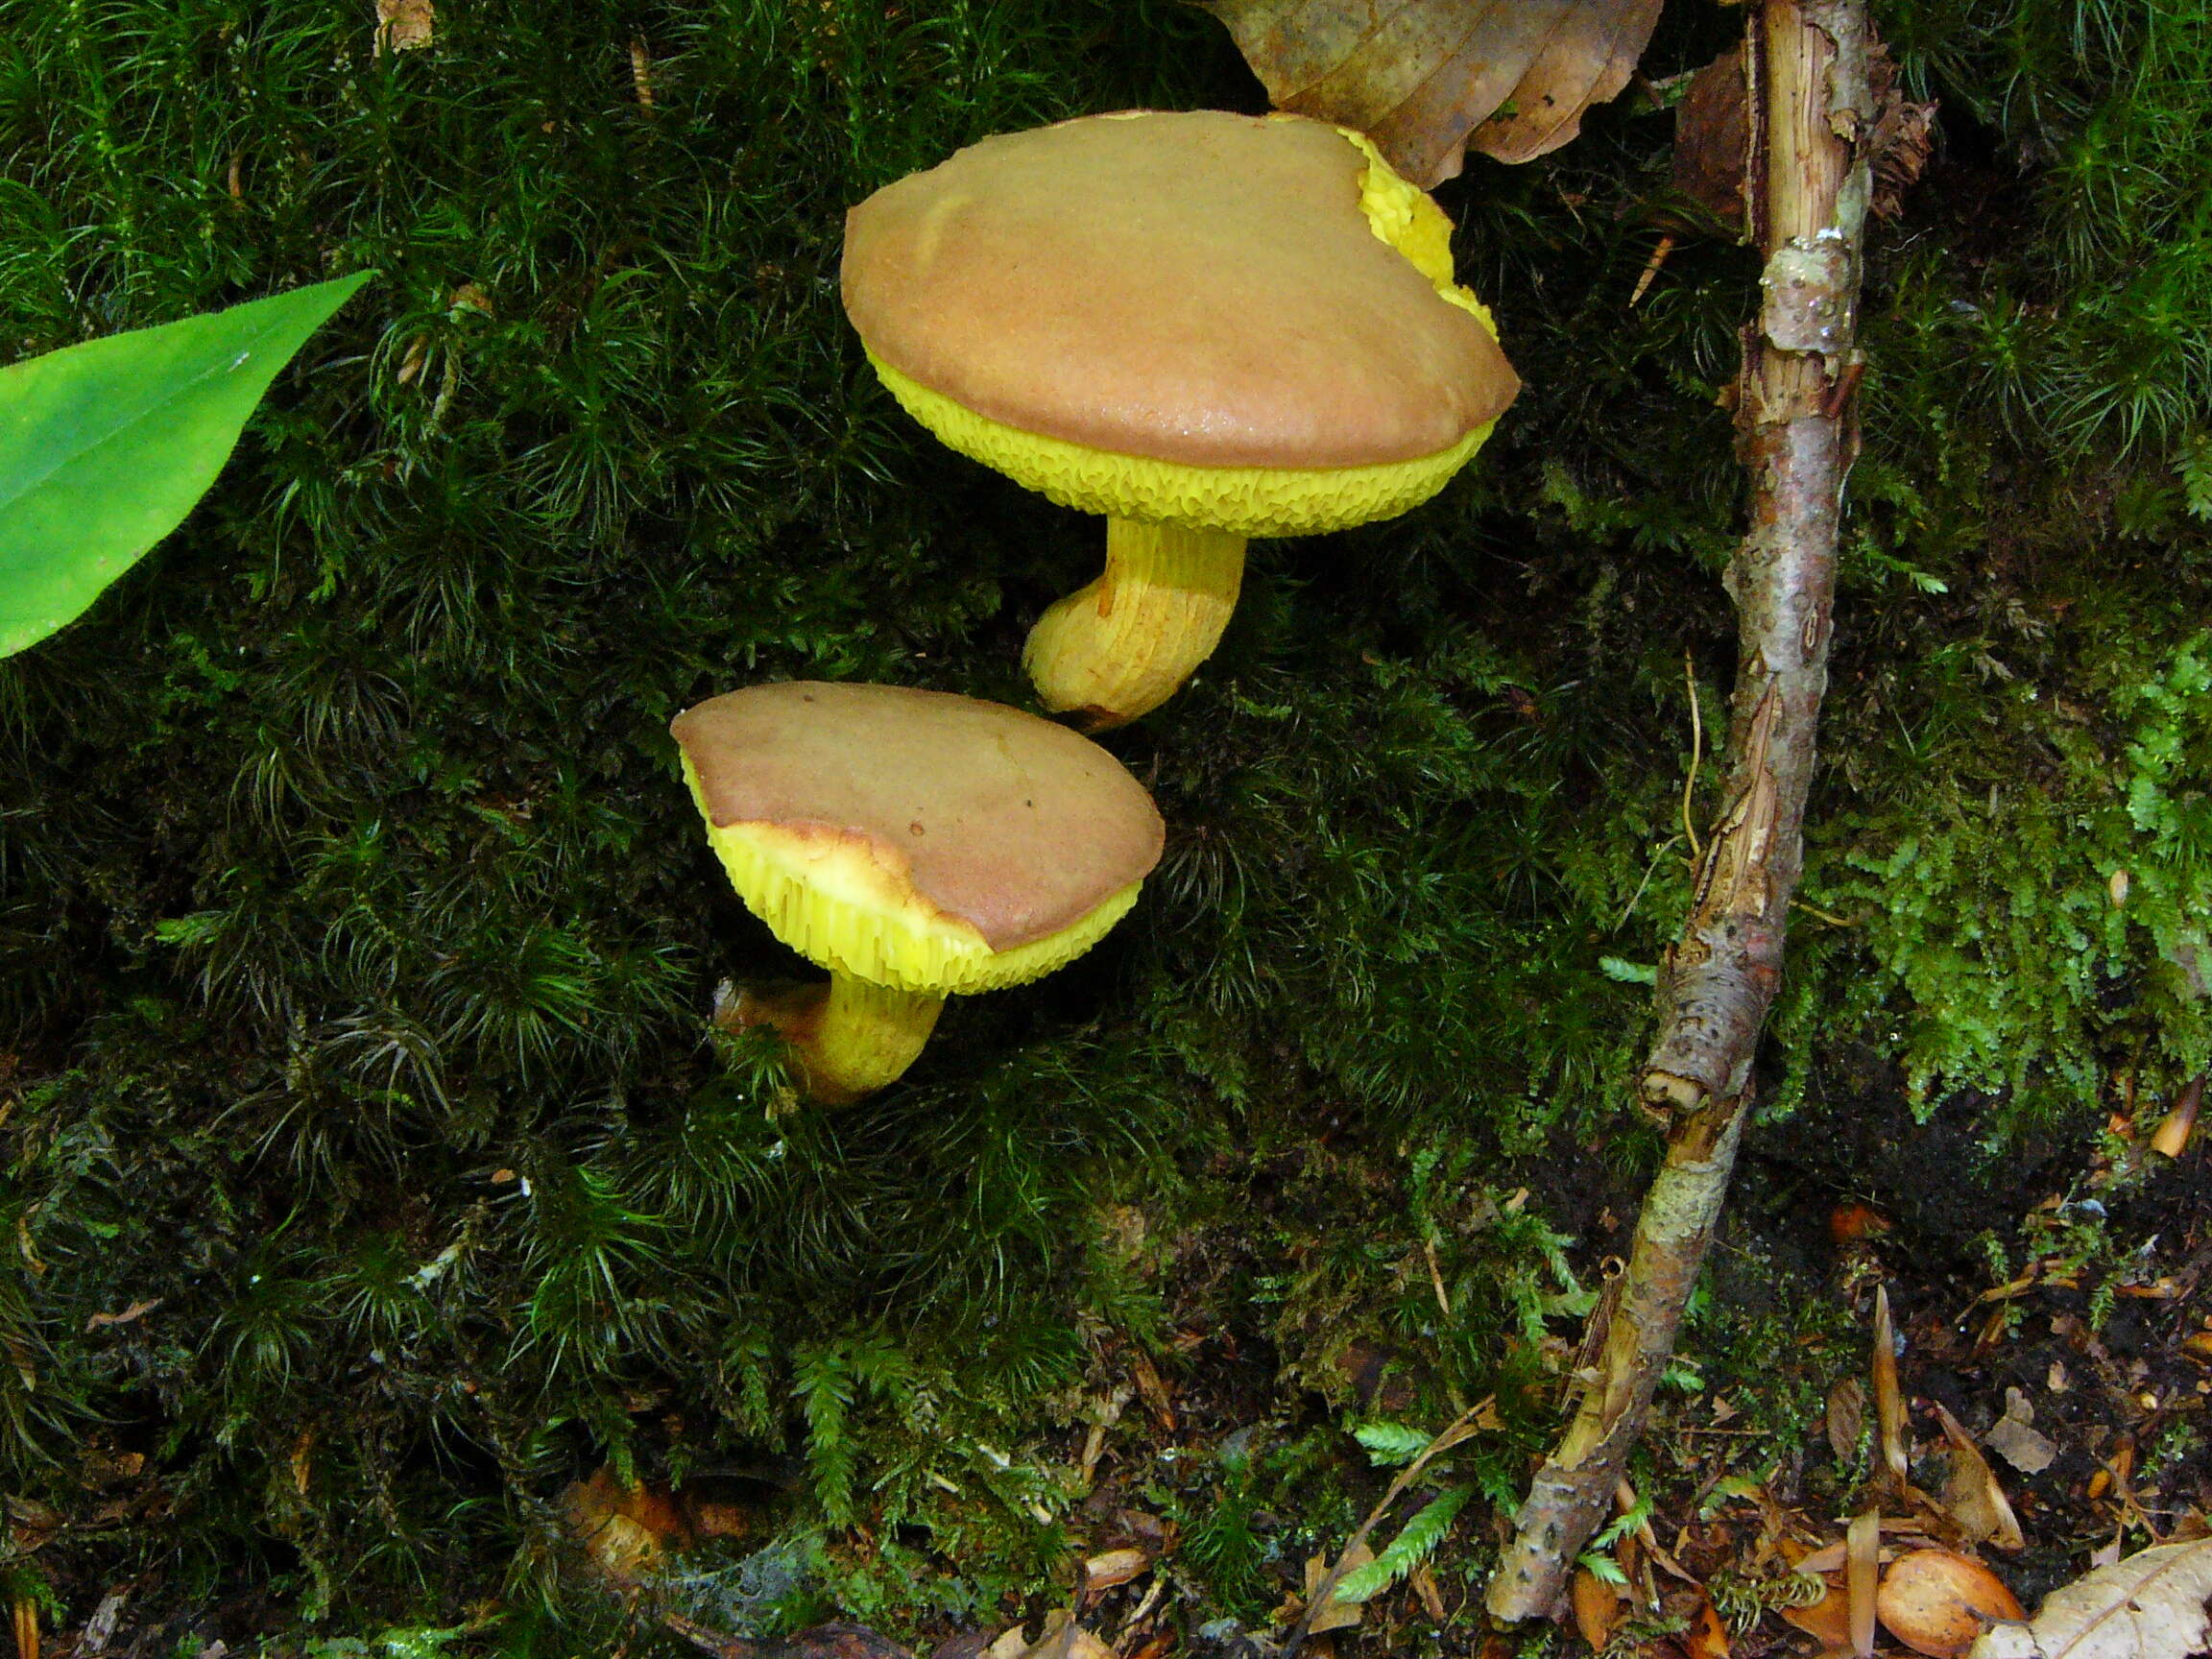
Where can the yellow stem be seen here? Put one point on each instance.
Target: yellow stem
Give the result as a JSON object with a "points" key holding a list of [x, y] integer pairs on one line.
{"points": [[1119, 647], [850, 1037]]}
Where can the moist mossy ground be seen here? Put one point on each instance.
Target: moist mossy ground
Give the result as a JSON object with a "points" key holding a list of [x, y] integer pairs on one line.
{"points": [[369, 1171]]}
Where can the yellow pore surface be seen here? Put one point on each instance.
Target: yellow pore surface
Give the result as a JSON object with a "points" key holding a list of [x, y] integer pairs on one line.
{"points": [[1240, 500], [841, 903]]}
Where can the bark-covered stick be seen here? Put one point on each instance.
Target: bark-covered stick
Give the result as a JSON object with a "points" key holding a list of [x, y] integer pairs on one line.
{"points": [[1809, 107]]}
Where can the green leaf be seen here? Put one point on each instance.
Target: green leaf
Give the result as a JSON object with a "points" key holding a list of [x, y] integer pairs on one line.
{"points": [[1604, 1568], [1626, 972], [1390, 1444], [2196, 469], [1639, 1516], [1408, 1549], [105, 446]]}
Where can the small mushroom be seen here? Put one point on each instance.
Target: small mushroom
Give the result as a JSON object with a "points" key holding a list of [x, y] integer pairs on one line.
{"points": [[1206, 326], [915, 844]]}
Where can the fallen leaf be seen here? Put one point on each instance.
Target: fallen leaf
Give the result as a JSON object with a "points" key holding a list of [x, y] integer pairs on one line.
{"points": [[1711, 142], [1936, 1601], [1711, 137], [1862, 1563], [404, 25], [1334, 1615], [1827, 1620], [1898, 145], [105, 1468], [1888, 1398], [1707, 1637], [1154, 1390], [1427, 80], [137, 1310], [833, 1641], [2012, 1438], [1587, 61], [2150, 1606], [1970, 1490], [1597, 1608], [1425, 1585], [626, 1531], [1847, 1418], [1111, 1567], [1061, 1638], [2172, 1136]]}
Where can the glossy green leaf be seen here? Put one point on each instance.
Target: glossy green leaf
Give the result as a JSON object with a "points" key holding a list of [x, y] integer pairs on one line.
{"points": [[106, 446]]}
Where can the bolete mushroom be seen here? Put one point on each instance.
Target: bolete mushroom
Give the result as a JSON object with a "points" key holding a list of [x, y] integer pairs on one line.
{"points": [[915, 844], [1207, 327]]}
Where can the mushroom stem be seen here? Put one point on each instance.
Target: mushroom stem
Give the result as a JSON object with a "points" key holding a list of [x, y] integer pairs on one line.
{"points": [[850, 1037], [1119, 647]]}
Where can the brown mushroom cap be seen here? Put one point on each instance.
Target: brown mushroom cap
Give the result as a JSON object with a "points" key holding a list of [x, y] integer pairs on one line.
{"points": [[1200, 288], [1014, 824]]}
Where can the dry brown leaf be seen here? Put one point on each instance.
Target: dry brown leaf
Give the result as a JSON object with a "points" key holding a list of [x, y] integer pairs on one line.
{"points": [[1587, 61], [1936, 1601], [1711, 136], [1429, 79], [1900, 141], [1847, 1418], [1061, 1638], [1432, 1594], [1154, 1388], [1111, 1567], [626, 1531], [1707, 1637], [2150, 1606], [404, 25], [1711, 142], [838, 1639], [2172, 1136], [1597, 1608], [1888, 1398], [1971, 1491], [2012, 1438], [1334, 1615], [137, 1310], [1862, 1556], [1827, 1620]]}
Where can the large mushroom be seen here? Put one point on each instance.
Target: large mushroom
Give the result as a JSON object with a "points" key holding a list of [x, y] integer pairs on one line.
{"points": [[915, 844], [1207, 327]]}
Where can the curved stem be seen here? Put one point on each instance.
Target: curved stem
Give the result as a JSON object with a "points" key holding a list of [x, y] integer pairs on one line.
{"points": [[850, 1037], [1119, 647]]}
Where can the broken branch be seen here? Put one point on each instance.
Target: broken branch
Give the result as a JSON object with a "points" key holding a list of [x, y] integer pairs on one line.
{"points": [[1805, 65]]}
